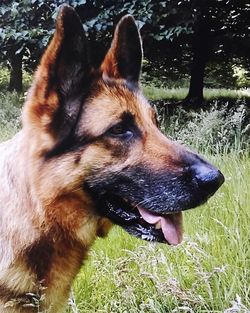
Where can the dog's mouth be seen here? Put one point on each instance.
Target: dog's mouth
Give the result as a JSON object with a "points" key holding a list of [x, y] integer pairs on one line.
{"points": [[141, 222]]}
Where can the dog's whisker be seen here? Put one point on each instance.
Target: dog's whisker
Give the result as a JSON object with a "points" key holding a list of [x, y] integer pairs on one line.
{"points": [[146, 201]]}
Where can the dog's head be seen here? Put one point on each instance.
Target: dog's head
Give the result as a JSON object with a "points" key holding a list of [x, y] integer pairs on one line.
{"points": [[93, 133]]}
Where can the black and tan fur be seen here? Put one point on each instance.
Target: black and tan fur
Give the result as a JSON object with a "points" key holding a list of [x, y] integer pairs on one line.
{"points": [[85, 133]]}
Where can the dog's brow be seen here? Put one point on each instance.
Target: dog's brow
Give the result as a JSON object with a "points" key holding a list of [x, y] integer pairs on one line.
{"points": [[127, 117]]}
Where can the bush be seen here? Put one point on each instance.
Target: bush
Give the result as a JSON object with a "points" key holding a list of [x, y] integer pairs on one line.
{"points": [[4, 78], [10, 111], [217, 130]]}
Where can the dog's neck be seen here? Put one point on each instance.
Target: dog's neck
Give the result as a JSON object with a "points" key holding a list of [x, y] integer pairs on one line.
{"points": [[15, 192], [36, 243]]}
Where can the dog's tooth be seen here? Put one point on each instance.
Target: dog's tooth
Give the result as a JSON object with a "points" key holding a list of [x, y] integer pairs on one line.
{"points": [[158, 225]]}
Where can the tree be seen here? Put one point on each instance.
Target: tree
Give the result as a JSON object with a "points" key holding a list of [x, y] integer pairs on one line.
{"points": [[208, 28], [202, 43], [216, 23], [25, 29], [195, 31]]}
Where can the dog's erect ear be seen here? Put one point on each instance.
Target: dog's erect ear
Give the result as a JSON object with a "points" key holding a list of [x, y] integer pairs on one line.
{"points": [[62, 77], [65, 62], [123, 60]]}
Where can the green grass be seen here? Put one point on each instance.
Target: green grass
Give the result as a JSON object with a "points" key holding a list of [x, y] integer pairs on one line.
{"points": [[178, 94], [208, 272]]}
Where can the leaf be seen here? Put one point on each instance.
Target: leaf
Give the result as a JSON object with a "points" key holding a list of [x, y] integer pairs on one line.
{"points": [[140, 24], [20, 49]]}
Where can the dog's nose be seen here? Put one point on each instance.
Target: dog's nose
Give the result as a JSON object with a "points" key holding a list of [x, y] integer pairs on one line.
{"points": [[207, 177]]}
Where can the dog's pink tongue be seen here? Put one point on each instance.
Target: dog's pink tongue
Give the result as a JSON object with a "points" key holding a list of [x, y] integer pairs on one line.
{"points": [[171, 225]]}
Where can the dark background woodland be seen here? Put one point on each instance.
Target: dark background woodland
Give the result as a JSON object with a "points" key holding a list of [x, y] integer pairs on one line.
{"points": [[187, 43]]}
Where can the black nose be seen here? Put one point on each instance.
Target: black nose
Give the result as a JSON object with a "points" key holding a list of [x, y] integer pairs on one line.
{"points": [[208, 178]]}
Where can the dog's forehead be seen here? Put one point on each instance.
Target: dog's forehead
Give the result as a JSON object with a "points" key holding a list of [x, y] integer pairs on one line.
{"points": [[107, 104]]}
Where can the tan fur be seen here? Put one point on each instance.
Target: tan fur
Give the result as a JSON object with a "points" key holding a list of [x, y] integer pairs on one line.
{"points": [[27, 215], [35, 205]]}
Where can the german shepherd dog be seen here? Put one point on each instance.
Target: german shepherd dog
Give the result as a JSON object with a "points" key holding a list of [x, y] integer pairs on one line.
{"points": [[89, 154]]}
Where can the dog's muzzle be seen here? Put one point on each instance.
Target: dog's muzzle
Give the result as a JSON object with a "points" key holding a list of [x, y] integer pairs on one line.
{"points": [[149, 204]]}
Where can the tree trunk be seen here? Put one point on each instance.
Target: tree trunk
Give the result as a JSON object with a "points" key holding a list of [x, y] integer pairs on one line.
{"points": [[195, 93], [202, 47], [16, 75]]}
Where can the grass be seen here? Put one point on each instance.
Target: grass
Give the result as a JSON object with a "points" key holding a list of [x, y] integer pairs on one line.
{"points": [[10, 111], [178, 94], [210, 270]]}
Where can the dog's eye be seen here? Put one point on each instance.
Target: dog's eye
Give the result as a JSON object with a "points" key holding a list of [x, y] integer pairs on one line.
{"points": [[121, 131]]}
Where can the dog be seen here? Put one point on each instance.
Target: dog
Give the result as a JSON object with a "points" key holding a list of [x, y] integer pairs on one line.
{"points": [[90, 154]]}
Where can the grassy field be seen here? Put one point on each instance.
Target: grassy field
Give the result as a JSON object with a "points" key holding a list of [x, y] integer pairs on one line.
{"points": [[179, 94], [208, 272]]}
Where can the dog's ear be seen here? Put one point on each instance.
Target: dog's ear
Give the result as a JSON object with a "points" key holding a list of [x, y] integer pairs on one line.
{"points": [[123, 60], [62, 77]]}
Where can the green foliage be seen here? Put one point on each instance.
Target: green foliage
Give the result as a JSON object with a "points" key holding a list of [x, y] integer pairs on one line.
{"points": [[228, 73], [167, 28], [26, 26], [242, 76], [149, 14], [162, 75], [4, 76]]}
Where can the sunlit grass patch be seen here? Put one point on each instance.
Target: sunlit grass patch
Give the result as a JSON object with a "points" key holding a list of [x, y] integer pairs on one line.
{"points": [[178, 94]]}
